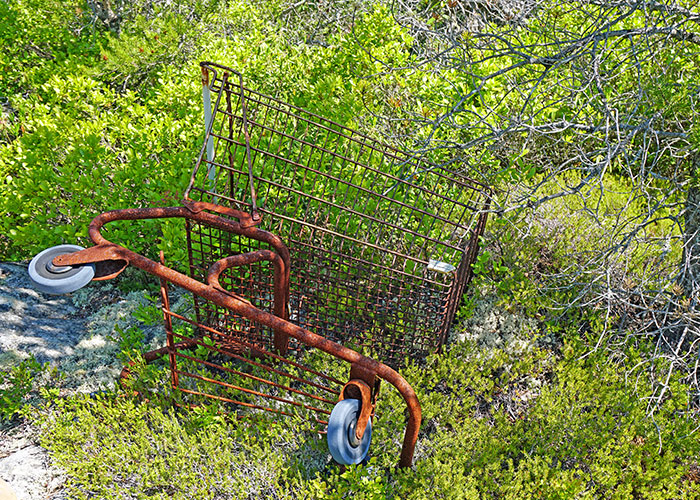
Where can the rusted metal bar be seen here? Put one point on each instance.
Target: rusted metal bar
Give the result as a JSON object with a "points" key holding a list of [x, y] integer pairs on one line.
{"points": [[463, 276], [168, 327], [249, 391], [281, 285], [255, 378], [383, 243], [264, 353], [381, 238], [246, 404], [153, 355], [358, 389]]}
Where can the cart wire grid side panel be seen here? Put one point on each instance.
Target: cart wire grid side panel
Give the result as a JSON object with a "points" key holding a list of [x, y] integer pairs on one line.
{"points": [[381, 242]]}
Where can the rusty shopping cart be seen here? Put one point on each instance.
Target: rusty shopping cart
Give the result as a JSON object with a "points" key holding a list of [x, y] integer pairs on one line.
{"points": [[311, 246]]}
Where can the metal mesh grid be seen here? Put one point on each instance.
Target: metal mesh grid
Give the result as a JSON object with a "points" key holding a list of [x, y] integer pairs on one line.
{"points": [[381, 242], [255, 282], [210, 363]]}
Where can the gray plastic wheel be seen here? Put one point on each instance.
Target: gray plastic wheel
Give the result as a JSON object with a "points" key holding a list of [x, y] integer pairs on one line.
{"points": [[55, 280], [341, 428]]}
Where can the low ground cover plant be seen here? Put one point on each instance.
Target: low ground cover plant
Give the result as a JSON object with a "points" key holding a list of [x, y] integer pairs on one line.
{"points": [[534, 396], [499, 424]]}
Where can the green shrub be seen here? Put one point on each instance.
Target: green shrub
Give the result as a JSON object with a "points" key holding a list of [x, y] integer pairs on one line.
{"points": [[125, 130], [585, 434], [495, 424], [39, 38], [15, 384], [24, 384], [113, 121], [109, 445]]}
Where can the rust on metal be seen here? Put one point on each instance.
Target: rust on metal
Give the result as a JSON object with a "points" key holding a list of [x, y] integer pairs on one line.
{"points": [[360, 372], [281, 284], [383, 241], [303, 237], [167, 320], [242, 308], [358, 389]]}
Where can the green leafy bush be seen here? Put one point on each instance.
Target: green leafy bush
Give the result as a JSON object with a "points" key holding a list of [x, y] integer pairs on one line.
{"points": [[17, 384], [110, 445], [38, 38], [495, 425], [88, 150], [125, 130]]}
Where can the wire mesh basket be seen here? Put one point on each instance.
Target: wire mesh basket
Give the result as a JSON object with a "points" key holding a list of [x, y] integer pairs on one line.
{"points": [[382, 241], [311, 246]]}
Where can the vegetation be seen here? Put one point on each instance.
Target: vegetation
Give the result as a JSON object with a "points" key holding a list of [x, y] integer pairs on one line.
{"points": [[582, 116]]}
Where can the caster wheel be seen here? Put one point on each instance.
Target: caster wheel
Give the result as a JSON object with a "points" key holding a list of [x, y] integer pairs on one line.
{"points": [[55, 280], [341, 433]]}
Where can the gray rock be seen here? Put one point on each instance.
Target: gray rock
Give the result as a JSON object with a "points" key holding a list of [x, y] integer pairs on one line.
{"points": [[6, 493], [74, 333], [26, 467], [30, 322]]}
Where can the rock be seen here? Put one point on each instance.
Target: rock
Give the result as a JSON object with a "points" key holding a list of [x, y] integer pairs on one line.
{"points": [[6, 492], [25, 466], [492, 327], [32, 322], [30, 474], [74, 333]]}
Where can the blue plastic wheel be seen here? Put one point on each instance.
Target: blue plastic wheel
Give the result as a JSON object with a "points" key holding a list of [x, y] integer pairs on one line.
{"points": [[342, 442], [52, 279]]}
